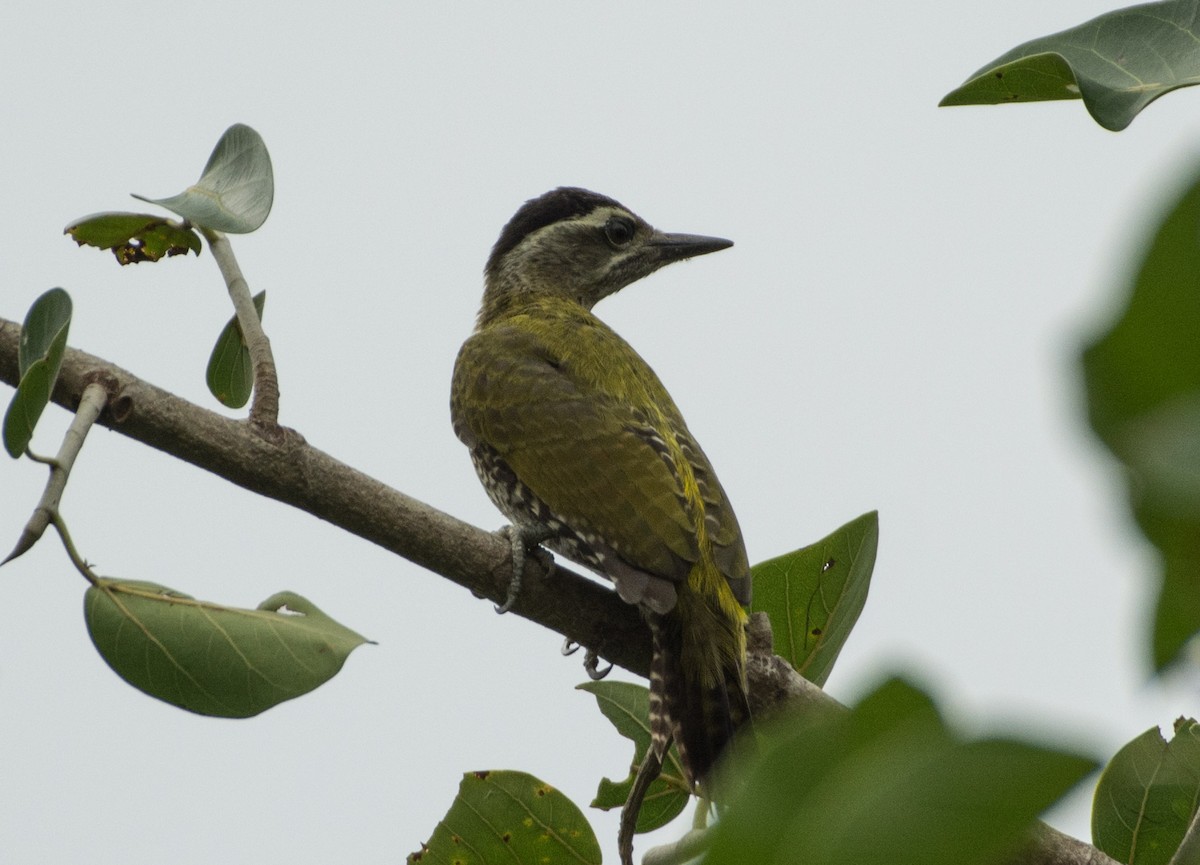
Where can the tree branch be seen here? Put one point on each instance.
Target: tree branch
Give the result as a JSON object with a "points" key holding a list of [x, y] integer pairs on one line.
{"points": [[291, 471], [1048, 846]]}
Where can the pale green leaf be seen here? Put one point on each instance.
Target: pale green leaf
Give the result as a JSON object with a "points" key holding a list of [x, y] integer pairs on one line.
{"points": [[1118, 63], [888, 784], [1147, 796], [39, 359], [235, 192], [230, 373], [627, 706], [813, 596], [1143, 391], [512, 818], [135, 237], [212, 659]]}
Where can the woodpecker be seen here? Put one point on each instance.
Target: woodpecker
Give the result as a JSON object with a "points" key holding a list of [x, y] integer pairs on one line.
{"points": [[579, 444]]}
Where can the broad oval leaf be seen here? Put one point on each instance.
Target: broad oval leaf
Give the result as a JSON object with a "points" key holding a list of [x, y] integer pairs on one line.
{"points": [[39, 358], [236, 190], [1117, 63], [135, 237], [813, 596], [1143, 392], [230, 374], [1147, 795], [211, 659], [43, 333], [510, 817], [887, 783], [627, 706]]}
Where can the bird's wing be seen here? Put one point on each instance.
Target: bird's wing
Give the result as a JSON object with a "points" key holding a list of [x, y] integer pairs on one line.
{"points": [[601, 464]]}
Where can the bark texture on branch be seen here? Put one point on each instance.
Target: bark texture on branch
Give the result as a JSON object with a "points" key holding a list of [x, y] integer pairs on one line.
{"points": [[290, 470]]}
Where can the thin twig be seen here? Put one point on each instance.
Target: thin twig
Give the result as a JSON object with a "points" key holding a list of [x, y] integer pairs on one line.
{"points": [[91, 403], [264, 409], [73, 554]]}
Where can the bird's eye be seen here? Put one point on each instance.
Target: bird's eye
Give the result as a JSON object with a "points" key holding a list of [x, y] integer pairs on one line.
{"points": [[618, 231]]}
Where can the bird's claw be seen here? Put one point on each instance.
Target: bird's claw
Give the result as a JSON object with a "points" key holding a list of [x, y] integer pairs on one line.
{"points": [[523, 541], [591, 661], [591, 665]]}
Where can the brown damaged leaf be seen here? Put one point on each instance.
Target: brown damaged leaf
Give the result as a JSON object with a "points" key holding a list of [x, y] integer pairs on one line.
{"points": [[135, 237]]}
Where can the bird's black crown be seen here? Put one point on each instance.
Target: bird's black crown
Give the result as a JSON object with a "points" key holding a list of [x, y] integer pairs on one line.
{"points": [[565, 202]]}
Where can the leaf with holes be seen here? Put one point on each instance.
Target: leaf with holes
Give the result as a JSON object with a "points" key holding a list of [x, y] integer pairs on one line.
{"points": [[230, 373], [135, 237], [1117, 63], [510, 817], [1147, 795], [211, 659], [39, 359], [627, 706], [814, 595], [235, 192]]}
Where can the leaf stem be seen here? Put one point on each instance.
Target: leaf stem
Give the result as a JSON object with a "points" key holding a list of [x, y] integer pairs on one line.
{"points": [[91, 403], [77, 560], [264, 410]]}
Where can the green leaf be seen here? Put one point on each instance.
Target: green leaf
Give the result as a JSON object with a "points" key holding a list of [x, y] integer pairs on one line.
{"points": [[888, 782], [236, 190], [627, 706], [39, 359], [135, 237], [211, 659], [510, 817], [813, 596], [1117, 63], [230, 373], [1147, 796], [1143, 390]]}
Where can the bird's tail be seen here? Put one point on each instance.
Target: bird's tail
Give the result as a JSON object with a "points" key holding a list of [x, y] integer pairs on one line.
{"points": [[697, 681]]}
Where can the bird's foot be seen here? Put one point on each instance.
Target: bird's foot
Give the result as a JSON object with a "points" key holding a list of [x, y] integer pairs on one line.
{"points": [[591, 661], [523, 541], [591, 665]]}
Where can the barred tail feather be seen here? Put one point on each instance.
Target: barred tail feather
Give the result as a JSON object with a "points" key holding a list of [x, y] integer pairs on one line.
{"points": [[697, 694], [661, 730]]}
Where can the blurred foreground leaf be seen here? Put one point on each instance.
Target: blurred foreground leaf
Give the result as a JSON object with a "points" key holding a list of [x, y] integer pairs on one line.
{"points": [[888, 784], [235, 192], [211, 659], [510, 817], [230, 374], [135, 237], [1147, 796], [627, 706], [813, 596], [1143, 390], [1117, 63], [39, 358]]}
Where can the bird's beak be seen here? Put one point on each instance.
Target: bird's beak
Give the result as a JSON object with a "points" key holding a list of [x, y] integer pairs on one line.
{"points": [[677, 247]]}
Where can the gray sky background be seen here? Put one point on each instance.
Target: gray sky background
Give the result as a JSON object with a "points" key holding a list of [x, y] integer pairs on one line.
{"points": [[896, 328]]}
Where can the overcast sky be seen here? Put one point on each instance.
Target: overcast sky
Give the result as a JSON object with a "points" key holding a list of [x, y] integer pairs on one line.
{"points": [[896, 328]]}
